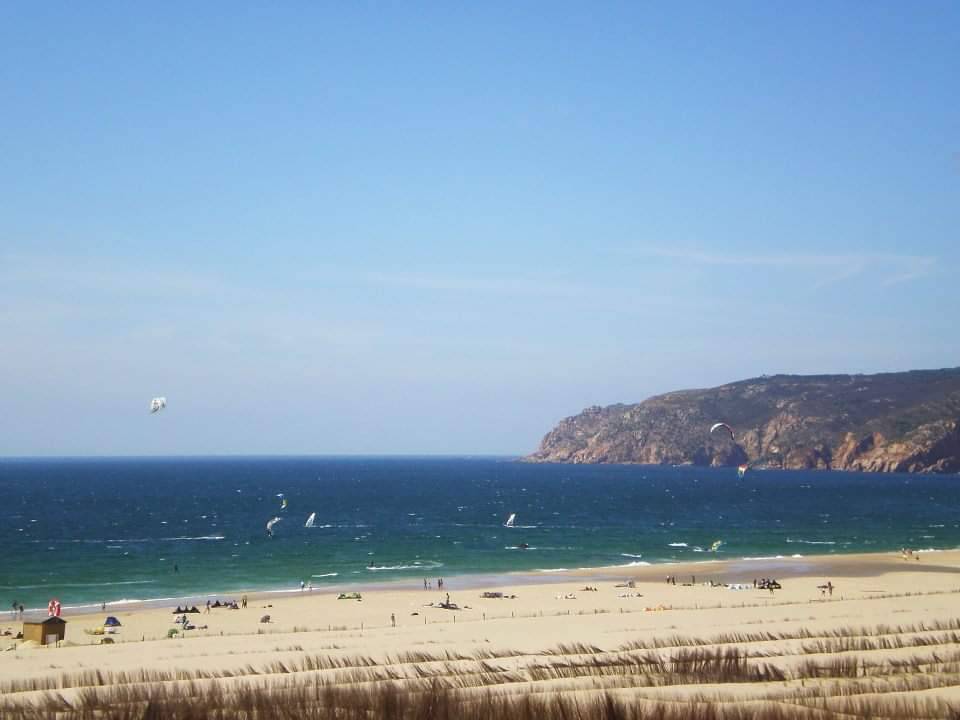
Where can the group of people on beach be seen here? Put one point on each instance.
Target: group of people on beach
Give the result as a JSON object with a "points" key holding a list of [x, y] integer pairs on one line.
{"points": [[428, 584], [17, 611], [672, 580], [766, 584]]}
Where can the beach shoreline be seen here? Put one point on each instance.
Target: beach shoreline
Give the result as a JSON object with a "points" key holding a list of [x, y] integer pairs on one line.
{"points": [[584, 631], [729, 570]]}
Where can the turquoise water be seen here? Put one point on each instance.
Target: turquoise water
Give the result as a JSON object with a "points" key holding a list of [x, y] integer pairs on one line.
{"points": [[103, 530]]}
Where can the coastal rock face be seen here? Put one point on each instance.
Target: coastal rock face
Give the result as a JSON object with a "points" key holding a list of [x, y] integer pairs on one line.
{"points": [[892, 422]]}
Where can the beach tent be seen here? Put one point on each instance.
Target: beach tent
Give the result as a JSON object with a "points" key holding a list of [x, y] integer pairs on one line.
{"points": [[111, 621]]}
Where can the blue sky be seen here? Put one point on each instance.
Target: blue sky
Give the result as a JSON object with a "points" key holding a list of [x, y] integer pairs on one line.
{"points": [[439, 228]]}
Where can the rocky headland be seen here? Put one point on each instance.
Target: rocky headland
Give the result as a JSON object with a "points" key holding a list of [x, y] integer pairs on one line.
{"points": [[890, 422]]}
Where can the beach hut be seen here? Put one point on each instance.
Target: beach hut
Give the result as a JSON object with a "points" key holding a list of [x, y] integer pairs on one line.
{"points": [[48, 632]]}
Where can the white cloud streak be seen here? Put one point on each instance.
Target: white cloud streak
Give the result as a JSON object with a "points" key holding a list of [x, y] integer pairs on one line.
{"points": [[891, 268]]}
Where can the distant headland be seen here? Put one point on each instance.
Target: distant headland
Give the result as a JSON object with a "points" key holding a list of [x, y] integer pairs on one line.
{"points": [[889, 422]]}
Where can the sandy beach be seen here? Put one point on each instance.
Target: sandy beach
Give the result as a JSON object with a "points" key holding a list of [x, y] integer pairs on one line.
{"points": [[883, 610]]}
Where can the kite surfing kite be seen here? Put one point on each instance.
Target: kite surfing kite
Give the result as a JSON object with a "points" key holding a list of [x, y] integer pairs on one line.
{"points": [[722, 425], [741, 469], [270, 524], [157, 404]]}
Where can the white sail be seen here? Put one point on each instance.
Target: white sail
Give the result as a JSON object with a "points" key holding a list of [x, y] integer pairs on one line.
{"points": [[310, 520], [270, 524], [510, 520], [157, 404]]}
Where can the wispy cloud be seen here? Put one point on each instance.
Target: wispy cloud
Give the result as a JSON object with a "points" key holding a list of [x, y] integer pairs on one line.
{"points": [[890, 268], [486, 281]]}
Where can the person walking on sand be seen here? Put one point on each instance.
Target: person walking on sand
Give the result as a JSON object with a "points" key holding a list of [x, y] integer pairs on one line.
{"points": [[302, 585], [830, 588], [207, 611], [424, 583], [393, 620], [243, 601]]}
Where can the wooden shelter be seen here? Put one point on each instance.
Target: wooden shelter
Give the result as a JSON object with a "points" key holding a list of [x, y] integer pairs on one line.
{"points": [[47, 632]]}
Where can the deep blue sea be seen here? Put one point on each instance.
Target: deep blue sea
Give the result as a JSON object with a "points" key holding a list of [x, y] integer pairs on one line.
{"points": [[104, 530]]}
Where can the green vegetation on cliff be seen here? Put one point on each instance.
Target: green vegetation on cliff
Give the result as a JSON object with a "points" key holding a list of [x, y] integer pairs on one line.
{"points": [[906, 422]]}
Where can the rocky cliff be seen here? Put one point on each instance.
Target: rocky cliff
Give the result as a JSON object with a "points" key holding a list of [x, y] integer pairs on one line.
{"points": [[903, 422]]}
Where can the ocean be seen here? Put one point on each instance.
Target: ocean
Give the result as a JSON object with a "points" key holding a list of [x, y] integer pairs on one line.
{"points": [[88, 531]]}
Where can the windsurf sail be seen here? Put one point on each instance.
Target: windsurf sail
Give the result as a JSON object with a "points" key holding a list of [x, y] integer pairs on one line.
{"points": [[742, 470], [510, 520], [310, 520], [157, 404], [271, 523], [283, 504], [716, 545]]}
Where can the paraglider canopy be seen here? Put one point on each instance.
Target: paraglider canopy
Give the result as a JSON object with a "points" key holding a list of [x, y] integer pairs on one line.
{"points": [[157, 404]]}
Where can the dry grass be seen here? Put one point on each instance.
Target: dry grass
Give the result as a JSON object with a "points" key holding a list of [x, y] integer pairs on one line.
{"points": [[873, 672]]}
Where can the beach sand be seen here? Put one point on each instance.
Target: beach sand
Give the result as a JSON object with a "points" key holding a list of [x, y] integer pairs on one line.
{"points": [[883, 610]]}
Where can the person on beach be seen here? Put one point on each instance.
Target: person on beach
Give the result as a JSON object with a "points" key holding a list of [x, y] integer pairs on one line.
{"points": [[830, 588], [302, 585], [393, 620], [424, 583], [13, 615], [207, 611], [243, 601]]}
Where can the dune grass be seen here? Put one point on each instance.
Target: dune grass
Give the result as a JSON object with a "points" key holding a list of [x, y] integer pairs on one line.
{"points": [[872, 672]]}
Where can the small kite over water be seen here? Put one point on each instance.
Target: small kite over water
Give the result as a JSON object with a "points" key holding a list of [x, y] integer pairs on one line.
{"points": [[157, 404]]}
